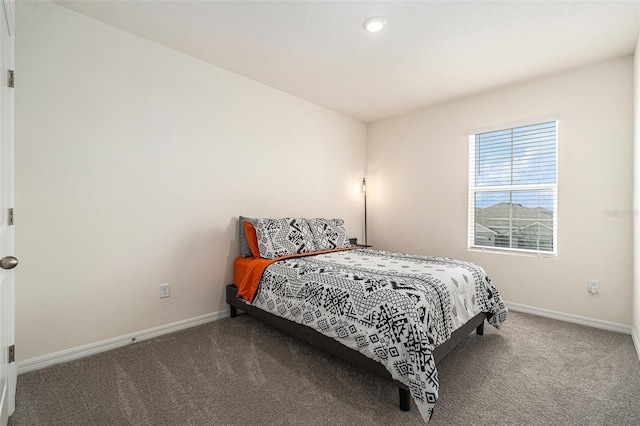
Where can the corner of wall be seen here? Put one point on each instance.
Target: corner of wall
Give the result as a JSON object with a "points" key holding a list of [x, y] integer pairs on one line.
{"points": [[635, 322]]}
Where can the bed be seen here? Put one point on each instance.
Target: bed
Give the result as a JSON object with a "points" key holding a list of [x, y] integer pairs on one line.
{"points": [[395, 315]]}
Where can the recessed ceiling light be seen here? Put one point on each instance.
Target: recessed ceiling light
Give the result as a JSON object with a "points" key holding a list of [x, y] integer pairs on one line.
{"points": [[374, 24]]}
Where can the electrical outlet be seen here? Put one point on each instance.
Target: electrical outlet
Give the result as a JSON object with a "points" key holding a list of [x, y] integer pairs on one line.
{"points": [[593, 286], [164, 290]]}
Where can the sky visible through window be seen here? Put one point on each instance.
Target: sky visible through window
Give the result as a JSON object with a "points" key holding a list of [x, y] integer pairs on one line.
{"points": [[520, 156]]}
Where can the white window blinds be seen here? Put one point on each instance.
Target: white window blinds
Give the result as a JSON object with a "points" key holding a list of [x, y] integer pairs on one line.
{"points": [[513, 188]]}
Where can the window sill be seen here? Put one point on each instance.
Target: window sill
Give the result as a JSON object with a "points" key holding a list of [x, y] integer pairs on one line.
{"points": [[513, 252]]}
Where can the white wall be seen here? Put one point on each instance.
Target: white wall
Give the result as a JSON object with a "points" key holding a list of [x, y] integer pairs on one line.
{"points": [[417, 172], [133, 162]]}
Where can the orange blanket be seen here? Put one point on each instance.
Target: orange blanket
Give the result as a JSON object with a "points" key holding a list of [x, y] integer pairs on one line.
{"points": [[247, 271]]}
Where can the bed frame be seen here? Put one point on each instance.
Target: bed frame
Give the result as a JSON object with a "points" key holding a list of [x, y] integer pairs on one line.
{"points": [[336, 348]]}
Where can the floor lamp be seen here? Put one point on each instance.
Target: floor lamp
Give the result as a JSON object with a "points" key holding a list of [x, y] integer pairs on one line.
{"points": [[364, 190]]}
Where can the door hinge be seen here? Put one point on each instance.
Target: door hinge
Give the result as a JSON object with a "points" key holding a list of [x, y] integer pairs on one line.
{"points": [[11, 216], [12, 353], [12, 78]]}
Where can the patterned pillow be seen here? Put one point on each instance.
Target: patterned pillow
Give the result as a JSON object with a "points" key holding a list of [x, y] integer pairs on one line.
{"points": [[329, 234], [282, 237]]}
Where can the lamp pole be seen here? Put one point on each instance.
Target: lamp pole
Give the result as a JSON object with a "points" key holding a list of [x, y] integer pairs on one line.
{"points": [[364, 189]]}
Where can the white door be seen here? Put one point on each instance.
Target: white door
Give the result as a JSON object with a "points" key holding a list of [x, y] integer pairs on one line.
{"points": [[7, 262]]}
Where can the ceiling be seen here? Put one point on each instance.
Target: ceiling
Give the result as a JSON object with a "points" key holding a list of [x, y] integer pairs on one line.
{"points": [[429, 53]]}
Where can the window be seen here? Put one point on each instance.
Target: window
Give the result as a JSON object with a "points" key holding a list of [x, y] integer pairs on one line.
{"points": [[513, 188]]}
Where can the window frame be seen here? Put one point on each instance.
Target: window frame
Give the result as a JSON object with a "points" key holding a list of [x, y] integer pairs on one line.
{"points": [[473, 190]]}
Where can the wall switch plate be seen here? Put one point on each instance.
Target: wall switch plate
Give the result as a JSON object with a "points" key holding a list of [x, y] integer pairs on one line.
{"points": [[164, 290], [593, 286]]}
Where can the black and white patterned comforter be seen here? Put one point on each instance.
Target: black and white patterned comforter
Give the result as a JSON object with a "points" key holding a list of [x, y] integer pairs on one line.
{"points": [[394, 308]]}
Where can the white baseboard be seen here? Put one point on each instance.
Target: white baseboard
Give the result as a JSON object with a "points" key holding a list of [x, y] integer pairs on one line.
{"points": [[636, 341], [576, 319], [116, 342]]}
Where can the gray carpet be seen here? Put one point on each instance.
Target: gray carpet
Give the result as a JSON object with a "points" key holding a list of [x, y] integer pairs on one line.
{"points": [[535, 371]]}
